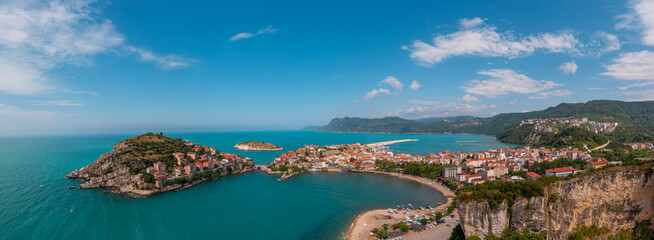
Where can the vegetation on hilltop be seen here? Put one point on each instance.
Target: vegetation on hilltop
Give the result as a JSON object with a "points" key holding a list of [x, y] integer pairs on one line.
{"points": [[387, 124], [626, 156], [518, 134], [572, 137], [144, 150]]}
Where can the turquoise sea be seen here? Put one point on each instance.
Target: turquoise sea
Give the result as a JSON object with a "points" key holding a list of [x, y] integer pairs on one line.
{"points": [[35, 202]]}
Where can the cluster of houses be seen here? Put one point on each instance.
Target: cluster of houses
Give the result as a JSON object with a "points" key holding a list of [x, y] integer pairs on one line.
{"points": [[202, 158], [466, 167], [640, 146], [547, 125]]}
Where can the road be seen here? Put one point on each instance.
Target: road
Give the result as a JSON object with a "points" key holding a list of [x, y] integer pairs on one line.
{"points": [[600, 147]]}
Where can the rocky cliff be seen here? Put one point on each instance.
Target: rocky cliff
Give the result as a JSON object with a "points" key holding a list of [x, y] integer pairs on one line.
{"points": [[614, 198], [108, 172], [124, 168]]}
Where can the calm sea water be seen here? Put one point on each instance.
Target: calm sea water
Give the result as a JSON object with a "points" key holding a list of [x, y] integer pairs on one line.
{"points": [[35, 202]]}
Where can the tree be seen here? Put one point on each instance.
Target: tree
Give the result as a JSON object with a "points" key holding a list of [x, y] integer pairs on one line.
{"points": [[473, 238], [385, 226], [439, 215], [402, 226], [450, 209], [424, 221], [457, 233], [148, 178], [491, 237], [381, 233], [405, 228]]}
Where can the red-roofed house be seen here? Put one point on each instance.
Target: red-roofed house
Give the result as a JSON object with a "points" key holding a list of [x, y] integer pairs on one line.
{"points": [[532, 175], [471, 178], [597, 164]]}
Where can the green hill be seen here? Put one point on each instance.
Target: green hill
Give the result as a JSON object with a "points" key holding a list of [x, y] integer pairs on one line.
{"points": [[636, 121]]}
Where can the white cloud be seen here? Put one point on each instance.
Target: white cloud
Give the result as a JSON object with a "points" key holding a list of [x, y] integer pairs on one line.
{"points": [[443, 109], [610, 42], [246, 35], [632, 66], [165, 62], [415, 85], [470, 22], [640, 84], [392, 82], [17, 78], [376, 92], [555, 93], [514, 102], [9, 110], [505, 81], [484, 40], [36, 37], [469, 99], [596, 88], [63, 103], [569, 67], [641, 95], [641, 19], [637, 67]]}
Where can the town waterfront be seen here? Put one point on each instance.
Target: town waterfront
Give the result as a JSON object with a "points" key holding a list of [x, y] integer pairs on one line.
{"points": [[36, 203]]}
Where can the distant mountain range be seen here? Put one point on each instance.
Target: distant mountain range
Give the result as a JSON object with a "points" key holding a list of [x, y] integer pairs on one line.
{"points": [[636, 121]]}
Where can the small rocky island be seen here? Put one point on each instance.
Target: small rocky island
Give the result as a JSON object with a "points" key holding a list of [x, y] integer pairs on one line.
{"points": [[257, 146], [151, 163]]}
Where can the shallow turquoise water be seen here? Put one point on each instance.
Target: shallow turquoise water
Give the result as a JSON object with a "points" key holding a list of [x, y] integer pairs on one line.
{"points": [[36, 204]]}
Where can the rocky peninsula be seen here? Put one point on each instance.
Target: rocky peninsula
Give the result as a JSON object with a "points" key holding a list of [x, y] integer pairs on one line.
{"points": [[257, 146], [151, 163]]}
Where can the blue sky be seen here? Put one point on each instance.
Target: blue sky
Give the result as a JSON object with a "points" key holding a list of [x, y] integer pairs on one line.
{"points": [[82, 67]]}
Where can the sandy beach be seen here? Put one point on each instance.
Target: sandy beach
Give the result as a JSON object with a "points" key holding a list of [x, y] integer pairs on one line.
{"points": [[366, 221], [379, 144]]}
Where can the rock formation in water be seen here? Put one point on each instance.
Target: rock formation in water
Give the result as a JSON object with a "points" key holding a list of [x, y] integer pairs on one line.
{"points": [[257, 146]]}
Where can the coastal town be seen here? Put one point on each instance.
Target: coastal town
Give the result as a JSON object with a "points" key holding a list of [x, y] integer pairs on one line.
{"points": [[157, 164], [461, 167], [198, 161], [553, 125], [449, 171]]}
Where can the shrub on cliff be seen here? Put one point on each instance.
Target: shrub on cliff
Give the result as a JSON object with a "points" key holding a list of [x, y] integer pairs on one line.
{"points": [[495, 192]]}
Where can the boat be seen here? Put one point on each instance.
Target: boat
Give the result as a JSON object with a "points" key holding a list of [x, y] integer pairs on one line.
{"points": [[72, 187]]}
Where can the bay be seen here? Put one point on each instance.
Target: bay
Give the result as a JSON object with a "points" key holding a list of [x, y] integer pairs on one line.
{"points": [[35, 202]]}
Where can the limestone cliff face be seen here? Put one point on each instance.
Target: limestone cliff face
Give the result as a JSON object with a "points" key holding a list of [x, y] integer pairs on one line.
{"points": [[613, 198], [529, 213], [478, 219]]}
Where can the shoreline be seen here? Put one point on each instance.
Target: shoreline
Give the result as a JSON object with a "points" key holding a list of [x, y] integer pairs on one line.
{"points": [[360, 227], [386, 143], [139, 193], [479, 134]]}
